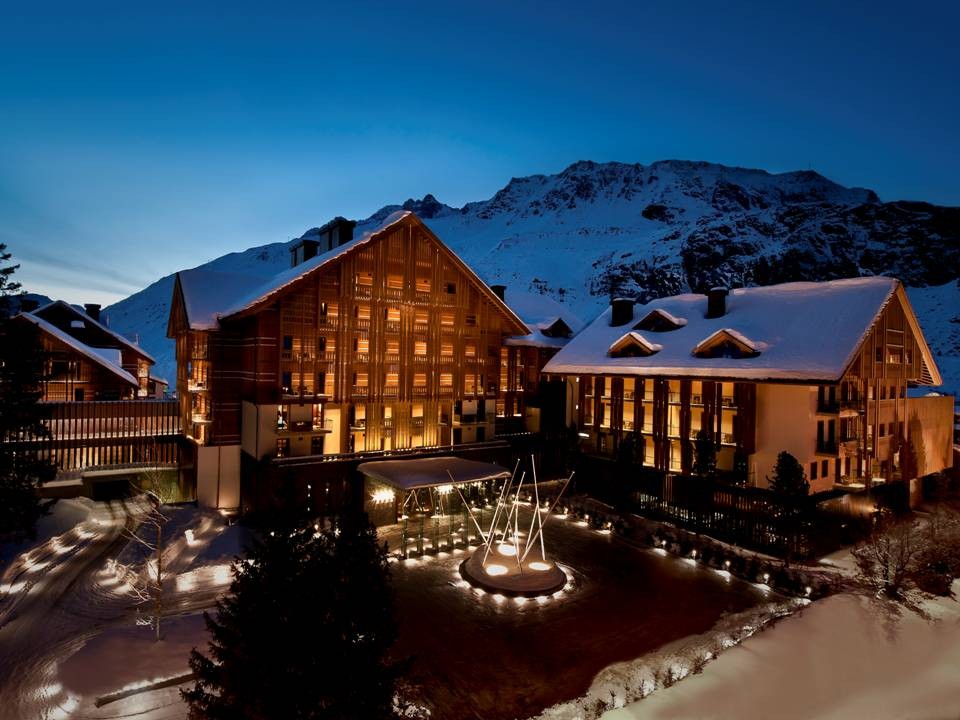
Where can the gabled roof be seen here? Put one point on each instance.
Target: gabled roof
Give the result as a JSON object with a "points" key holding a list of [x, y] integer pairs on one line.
{"points": [[95, 355], [82, 316], [210, 296], [658, 317], [807, 331], [635, 340], [728, 335], [544, 317]]}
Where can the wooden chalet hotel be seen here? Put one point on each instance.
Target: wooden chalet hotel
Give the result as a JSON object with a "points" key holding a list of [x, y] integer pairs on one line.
{"points": [[105, 407], [382, 342], [820, 370]]}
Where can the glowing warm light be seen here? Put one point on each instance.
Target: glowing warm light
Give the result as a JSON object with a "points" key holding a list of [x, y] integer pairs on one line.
{"points": [[222, 574], [500, 598], [505, 549], [539, 566], [191, 541], [766, 577], [444, 489], [808, 590], [520, 600], [383, 496], [495, 570], [11, 589]]}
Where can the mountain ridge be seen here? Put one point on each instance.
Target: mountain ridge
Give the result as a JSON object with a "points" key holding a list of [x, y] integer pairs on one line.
{"points": [[595, 230]]}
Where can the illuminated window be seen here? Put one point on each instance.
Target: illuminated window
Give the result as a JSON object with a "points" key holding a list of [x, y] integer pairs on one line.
{"points": [[392, 314], [446, 380], [361, 345], [420, 380], [393, 347], [395, 282], [421, 317], [361, 379], [470, 350], [420, 347], [361, 312], [393, 379], [446, 319], [423, 285], [446, 349], [365, 279], [417, 410]]}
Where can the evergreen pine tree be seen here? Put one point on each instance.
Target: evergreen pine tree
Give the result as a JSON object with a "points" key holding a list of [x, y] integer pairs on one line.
{"points": [[304, 632], [704, 455], [22, 364], [788, 477]]}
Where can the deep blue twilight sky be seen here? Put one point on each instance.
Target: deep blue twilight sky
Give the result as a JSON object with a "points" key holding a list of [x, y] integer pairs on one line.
{"points": [[140, 138]]}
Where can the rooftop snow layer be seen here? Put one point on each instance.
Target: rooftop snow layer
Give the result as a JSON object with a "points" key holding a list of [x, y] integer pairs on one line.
{"points": [[207, 292], [539, 313], [807, 331], [86, 318], [94, 354]]}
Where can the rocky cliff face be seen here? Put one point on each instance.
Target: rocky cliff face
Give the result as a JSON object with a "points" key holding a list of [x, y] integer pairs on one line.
{"points": [[598, 230]]}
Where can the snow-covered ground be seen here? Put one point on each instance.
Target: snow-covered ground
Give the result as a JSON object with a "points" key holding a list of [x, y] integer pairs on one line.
{"points": [[69, 622], [847, 656]]}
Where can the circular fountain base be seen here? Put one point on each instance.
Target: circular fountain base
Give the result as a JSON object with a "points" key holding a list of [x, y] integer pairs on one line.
{"points": [[501, 575]]}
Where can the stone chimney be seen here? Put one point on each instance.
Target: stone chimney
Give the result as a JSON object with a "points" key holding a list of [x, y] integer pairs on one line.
{"points": [[499, 291], [621, 311], [716, 302], [93, 311]]}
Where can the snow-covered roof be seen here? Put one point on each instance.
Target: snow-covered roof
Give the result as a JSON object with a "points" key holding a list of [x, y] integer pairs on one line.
{"points": [[87, 319], [160, 380], [97, 355], [207, 292], [633, 338], [210, 296], [803, 331], [540, 313], [665, 315], [730, 334], [430, 472]]}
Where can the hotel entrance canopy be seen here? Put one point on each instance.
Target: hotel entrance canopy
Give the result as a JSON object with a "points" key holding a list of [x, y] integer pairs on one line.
{"points": [[417, 473]]}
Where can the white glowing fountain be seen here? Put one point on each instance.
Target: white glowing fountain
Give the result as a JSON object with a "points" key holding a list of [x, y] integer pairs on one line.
{"points": [[510, 561]]}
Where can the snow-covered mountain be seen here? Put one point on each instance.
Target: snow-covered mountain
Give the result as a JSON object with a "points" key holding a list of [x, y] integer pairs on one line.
{"points": [[598, 230]]}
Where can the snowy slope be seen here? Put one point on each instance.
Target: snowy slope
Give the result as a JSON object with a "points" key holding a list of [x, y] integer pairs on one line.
{"points": [[597, 230]]}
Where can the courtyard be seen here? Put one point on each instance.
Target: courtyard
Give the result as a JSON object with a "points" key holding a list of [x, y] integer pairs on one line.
{"points": [[477, 655]]}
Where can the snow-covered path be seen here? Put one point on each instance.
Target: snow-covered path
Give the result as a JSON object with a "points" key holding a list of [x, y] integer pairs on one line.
{"points": [[65, 591], [55, 597]]}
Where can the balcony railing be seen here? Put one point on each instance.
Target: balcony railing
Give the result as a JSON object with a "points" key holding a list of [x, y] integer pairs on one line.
{"points": [[305, 426], [728, 401], [201, 418], [827, 447]]}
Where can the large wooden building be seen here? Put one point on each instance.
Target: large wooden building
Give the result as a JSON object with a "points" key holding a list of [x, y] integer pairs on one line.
{"points": [[820, 370], [382, 342]]}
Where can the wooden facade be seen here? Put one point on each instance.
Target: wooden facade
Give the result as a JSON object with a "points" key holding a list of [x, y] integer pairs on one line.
{"points": [[393, 344], [857, 429]]}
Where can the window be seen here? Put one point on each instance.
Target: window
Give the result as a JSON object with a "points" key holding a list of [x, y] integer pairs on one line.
{"points": [[391, 314], [813, 471], [321, 383], [417, 410], [423, 285], [879, 355], [883, 430], [894, 355], [393, 379], [446, 380], [286, 382], [361, 345], [393, 347], [365, 279], [420, 380], [78, 395], [361, 379], [420, 347], [470, 350], [321, 344], [824, 469], [451, 288], [316, 445], [446, 319], [283, 447], [446, 349], [471, 320], [395, 282], [288, 342]]}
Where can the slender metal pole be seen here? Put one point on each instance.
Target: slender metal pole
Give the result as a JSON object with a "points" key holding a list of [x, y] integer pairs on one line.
{"points": [[550, 511]]}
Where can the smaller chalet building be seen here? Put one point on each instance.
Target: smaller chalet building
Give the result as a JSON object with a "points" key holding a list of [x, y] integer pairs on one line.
{"points": [[105, 407], [523, 402], [379, 343], [819, 370]]}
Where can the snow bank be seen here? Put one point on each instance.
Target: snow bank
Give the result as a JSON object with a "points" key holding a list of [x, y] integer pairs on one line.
{"points": [[128, 656], [844, 657]]}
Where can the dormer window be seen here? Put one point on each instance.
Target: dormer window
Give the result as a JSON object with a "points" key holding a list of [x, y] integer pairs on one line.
{"points": [[557, 329], [727, 343], [633, 344], [658, 320]]}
